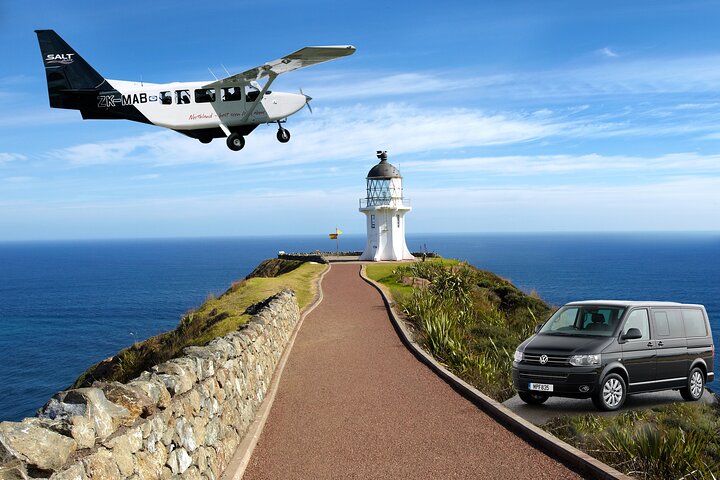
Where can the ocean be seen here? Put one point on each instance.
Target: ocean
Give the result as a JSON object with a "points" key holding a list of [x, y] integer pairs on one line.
{"points": [[65, 305]]}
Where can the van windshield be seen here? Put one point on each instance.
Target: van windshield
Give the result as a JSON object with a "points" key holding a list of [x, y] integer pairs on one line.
{"points": [[586, 320]]}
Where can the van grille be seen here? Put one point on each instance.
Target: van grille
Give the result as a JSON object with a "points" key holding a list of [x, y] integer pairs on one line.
{"points": [[553, 360], [543, 377]]}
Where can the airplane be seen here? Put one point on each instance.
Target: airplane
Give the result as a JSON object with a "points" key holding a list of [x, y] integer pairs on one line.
{"points": [[231, 107]]}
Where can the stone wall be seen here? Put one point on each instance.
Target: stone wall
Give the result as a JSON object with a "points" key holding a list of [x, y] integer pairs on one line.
{"points": [[183, 419]]}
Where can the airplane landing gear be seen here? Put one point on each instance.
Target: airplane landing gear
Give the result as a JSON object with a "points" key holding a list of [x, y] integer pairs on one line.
{"points": [[283, 135], [235, 141]]}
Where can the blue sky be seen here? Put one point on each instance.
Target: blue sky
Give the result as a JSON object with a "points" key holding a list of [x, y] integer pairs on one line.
{"points": [[502, 116]]}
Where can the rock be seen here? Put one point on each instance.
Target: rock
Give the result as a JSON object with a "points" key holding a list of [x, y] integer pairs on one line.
{"points": [[179, 461], [192, 473], [124, 447], [131, 397], [83, 431], [185, 434], [212, 432], [177, 376], [75, 472], [100, 465], [90, 403], [154, 389], [38, 447], [13, 470]]}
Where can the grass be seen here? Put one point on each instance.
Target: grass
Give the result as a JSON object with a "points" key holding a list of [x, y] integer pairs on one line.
{"points": [[214, 318], [678, 441], [386, 274]]}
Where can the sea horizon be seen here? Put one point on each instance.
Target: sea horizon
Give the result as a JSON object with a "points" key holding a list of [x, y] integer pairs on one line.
{"points": [[357, 234], [71, 303]]}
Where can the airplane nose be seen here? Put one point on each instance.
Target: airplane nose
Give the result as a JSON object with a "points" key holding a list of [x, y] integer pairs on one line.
{"points": [[308, 98]]}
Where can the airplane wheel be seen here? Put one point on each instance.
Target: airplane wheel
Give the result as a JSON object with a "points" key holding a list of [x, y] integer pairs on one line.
{"points": [[235, 142], [283, 135]]}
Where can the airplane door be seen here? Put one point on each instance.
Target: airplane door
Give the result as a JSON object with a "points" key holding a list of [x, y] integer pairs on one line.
{"points": [[232, 104]]}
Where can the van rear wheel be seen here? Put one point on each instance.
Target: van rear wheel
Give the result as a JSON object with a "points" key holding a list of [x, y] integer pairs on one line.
{"points": [[533, 398], [695, 386], [611, 394]]}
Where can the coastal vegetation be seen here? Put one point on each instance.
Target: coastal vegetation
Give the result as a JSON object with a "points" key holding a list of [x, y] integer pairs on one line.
{"points": [[471, 320], [214, 318], [675, 441]]}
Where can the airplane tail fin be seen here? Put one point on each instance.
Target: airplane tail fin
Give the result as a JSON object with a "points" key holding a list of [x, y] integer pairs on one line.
{"points": [[68, 74]]}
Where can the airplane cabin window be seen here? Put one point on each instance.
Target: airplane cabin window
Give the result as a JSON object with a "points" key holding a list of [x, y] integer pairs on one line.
{"points": [[252, 94], [165, 98], [182, 96], [231, 94], [205, 95]]}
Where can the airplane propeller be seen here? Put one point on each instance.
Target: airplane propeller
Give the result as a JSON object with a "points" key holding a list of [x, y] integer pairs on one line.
{"points": [[307, 100]]}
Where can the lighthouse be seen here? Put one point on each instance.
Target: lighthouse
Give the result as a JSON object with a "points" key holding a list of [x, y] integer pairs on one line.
{"points": [[385, 209]]}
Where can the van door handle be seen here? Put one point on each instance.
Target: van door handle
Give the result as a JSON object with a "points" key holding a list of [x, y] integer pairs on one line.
{"points": [[650, 344], [660, 344]]}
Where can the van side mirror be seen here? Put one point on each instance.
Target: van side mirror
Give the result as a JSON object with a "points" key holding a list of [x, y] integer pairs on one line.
{"points": [[538, 327], [632, 334]]}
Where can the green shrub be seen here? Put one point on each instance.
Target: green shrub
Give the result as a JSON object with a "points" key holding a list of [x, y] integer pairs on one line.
{"points": [[470, 320], [676, 441]]}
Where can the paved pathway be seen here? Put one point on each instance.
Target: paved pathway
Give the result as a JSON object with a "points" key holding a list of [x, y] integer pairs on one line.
{"points": [[353, 402]]}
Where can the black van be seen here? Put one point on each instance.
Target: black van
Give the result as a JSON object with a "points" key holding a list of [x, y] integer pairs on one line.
{"points": [[605, 350]]}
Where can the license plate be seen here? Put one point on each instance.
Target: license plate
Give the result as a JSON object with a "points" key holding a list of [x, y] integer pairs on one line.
{"points": [[541, 387]]}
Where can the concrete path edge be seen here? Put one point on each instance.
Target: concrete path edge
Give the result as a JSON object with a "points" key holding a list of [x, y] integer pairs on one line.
{"points": [[574, 458], [239, 462]]}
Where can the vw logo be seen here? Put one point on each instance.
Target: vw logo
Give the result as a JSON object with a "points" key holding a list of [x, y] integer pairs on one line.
{"points": [[543, 359]]}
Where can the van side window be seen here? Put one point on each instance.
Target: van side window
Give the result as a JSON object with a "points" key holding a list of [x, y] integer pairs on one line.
{"points": [[165, 98], [668, 323], [694, 322], [638, 319]]}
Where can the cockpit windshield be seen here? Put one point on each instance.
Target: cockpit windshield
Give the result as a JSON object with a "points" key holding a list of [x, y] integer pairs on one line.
{"points": [[585, 320]]}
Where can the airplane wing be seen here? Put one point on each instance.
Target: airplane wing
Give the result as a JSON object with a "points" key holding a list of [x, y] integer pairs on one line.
{"points": [[304, 57]]}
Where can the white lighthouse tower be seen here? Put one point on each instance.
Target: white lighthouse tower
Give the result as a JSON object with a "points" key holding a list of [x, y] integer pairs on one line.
{"points": [[385, 209]]}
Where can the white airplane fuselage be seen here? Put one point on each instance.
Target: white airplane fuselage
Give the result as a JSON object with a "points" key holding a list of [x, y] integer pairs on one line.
{"points": [[220, 111]]}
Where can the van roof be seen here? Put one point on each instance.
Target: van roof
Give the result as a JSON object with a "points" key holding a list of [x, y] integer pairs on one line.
{"points": [[634, 303]]}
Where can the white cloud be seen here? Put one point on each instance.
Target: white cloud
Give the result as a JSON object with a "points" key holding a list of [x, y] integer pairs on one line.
{"points": [[676, 204], [519, 165], [330, 135], [607, 52], [6, 157]]}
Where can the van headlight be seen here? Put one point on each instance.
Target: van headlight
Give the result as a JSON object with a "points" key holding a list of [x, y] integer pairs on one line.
{"points": [[585, 360], [518, 356]]}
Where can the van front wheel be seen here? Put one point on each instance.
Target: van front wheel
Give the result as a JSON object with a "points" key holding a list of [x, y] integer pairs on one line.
{"points": [[533, 398], [695, 386], [611, 394]]}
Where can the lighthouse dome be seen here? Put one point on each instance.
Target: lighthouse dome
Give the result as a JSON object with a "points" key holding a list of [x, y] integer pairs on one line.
{"points": [[384, 169]]}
